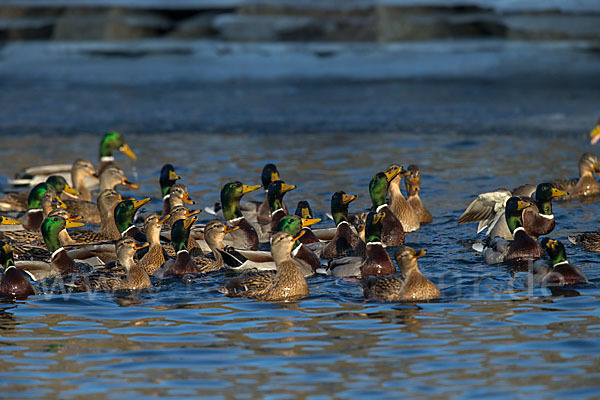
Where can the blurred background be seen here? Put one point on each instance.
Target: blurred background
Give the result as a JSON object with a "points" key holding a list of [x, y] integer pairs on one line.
{"points": [[298, 65]]}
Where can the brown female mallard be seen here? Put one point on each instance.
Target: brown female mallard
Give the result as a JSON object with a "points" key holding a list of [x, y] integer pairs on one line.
{"points": [[399, 205], [412, 181], [584, 186]]}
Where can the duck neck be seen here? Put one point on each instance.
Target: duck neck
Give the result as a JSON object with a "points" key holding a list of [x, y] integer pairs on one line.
{"points": [[52, 241], [79, 185], [231, 207], [544, 207], [64, 238], [275, 203], [394, 189], [514, 222], [215, 245], [339, 214], [124, 222]]}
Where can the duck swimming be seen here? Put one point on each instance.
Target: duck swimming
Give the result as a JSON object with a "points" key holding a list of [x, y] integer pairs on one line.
{"points": [[246, 236], [411, 286], [124, 214], [560, 272], [154, 258], [346, 242], [412, 181], [35, 214], [523, 249], [287, 284], [167, 179], [14, 283], [584, 186], [269, 174], [184, 264], [399, 205], [392, 231], [275, 193]]}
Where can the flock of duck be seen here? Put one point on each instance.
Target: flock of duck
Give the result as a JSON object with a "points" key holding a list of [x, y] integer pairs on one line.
{"points": [[269, 251]]}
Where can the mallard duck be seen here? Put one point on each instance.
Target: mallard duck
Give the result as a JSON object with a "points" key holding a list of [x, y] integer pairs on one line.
{"points": [[81, 170], [167, 179], [412, 181], [346, 242], [124, 214], [90, 212], [59, 259], [154, 258], [304, 211], [393, 232], [399, 205], [184, 264], [35, 214], [377, 260], [110, 142], [589, 241], [276, 191], [246, 237], [595, 134], [180, 212], [489, 210], [411, 286], [178, 195], [286, 284], [106, 202], [136, 277], [584, 186], [523, 249], [269, 174], [214, 233], [560, 272], [14, 283]]}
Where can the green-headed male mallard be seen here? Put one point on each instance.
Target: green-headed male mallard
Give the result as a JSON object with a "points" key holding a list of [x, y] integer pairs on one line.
{"points": [[269, 174], [246, 237], [111, 142], [584, 186], [167, 179], [377, 260], [287, 284], [51, 227], [35, 214], [411, 286], [523, 248], [184, 264], [293, 224], [14, 283], [304, 211], [177, 213], [275, 193], [561, 272], [393, 232], [124, 214], [412, 181], [399, 205], [346, 242]]}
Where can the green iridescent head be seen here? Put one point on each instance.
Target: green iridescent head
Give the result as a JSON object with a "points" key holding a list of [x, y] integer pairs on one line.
{"points": [[180, 232], [168, 177], [379, 184], [555, 250], [125, 212], [545, 192], [52, 226], [292, 224], [269, 174], [231, 193], [514, 212], [275, 194], [339, 206], [56, 183], [374, 225], [114, 141]]}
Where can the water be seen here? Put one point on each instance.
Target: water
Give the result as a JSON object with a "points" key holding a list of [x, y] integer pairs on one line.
{"points": [[489, 335]]}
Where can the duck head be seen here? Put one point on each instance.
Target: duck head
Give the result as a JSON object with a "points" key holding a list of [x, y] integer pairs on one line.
{"points": [[339, 206], [282, 244], [114, 141], [373, 226], [180, 232], [231, 194], [168, 178], [215, 231], [275, 194], [588, 163], [379, 184], [406, 258], [269, 174], [555, 249], [514, 212], [303, 209], [52, 226], [125, 212], [292, 224]]}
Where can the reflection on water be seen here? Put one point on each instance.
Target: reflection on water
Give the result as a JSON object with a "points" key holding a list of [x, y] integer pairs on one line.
{"points": [[488, 335]]}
